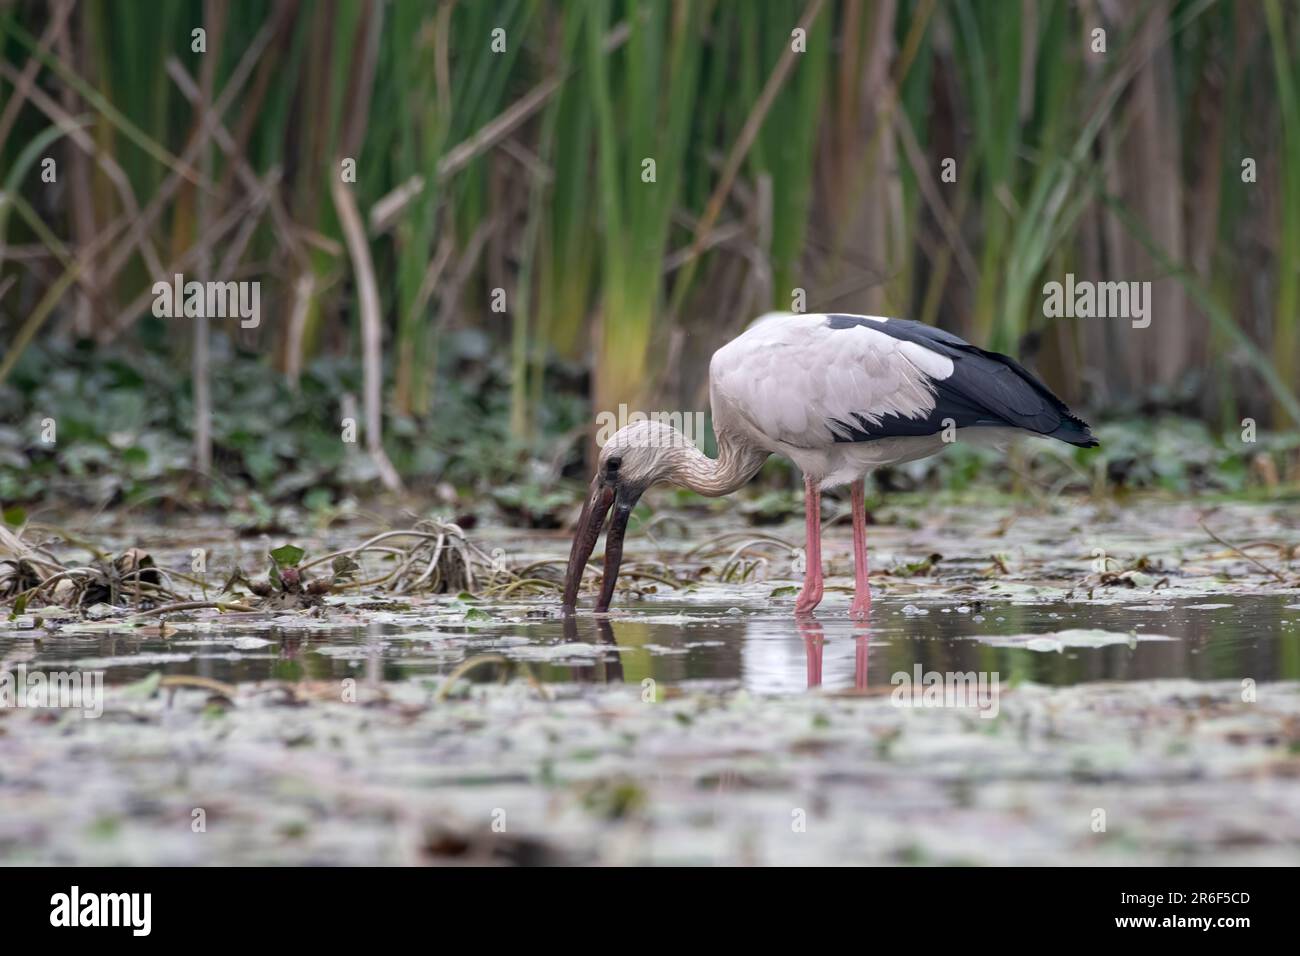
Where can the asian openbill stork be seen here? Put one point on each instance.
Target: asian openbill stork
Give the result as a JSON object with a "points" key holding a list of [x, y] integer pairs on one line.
{"points": [[839, 395]]}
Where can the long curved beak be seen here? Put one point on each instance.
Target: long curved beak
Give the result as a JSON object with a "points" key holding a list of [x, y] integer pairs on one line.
{"points": [[624, 501], [584, 539], [599, 501]]}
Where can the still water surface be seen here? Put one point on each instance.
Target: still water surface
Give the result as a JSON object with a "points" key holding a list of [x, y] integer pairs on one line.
{"points": [[762, 649]]}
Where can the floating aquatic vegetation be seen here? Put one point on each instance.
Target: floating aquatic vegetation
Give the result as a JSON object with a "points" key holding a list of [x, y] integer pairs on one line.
{"points": [[1078, 637], [47, 571], [399, 773], [31, 576], [914, 569], [433, 557]]}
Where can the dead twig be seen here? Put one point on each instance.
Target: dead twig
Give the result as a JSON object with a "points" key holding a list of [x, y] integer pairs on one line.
{"points": [[197, 606], [371, 328], [1236, 550]]}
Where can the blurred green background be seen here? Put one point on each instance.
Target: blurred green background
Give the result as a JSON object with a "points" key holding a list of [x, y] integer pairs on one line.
{"points": [[562, 206]]}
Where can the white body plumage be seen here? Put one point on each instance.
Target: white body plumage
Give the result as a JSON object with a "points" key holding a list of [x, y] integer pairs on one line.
{"points": [[799, 386]]}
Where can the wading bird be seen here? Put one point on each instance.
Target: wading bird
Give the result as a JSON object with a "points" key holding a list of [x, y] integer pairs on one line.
{"points": [[839, 395]]}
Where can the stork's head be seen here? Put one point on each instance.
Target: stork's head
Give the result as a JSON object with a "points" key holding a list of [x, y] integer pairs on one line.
{"points": [[634, 458]]}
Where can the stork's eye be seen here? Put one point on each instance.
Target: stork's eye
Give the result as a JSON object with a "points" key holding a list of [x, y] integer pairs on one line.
{"points": [[613, 464]]}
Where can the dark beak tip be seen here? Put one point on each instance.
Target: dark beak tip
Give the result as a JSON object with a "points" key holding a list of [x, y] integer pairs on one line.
{"points": [[584, 542]]}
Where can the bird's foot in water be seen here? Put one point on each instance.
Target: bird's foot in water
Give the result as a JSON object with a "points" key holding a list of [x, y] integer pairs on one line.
{"points": [[861, 608], [808, 600]]}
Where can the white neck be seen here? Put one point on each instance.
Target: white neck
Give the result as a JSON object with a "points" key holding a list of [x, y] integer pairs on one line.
{"points": [[736, 464]]}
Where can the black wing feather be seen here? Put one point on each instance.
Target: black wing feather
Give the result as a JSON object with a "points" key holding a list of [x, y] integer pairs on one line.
{"points": [[985, 389]]}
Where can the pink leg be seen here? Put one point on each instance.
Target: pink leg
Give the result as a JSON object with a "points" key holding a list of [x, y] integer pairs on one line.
{"points": [[862, 587], [811, 595]]}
